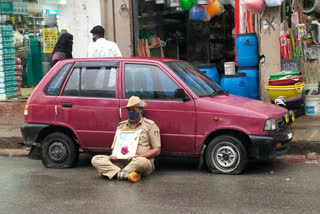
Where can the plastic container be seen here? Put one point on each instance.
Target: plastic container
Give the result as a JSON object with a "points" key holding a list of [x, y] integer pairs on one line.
{"points": [[312, 104], [8, 84], [283, 74], [7, 68], [291, 92], [211, 71], [8, 89], [198, 13], [10, 62], [8, 73], [247, 50], [4, 28], [229, 68], [253, 80], [236, 84], [311, 89], [8, 51], [254, 6], [288, 81]]}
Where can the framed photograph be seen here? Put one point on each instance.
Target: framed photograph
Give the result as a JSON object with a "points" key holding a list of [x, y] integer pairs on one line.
{"points": [[126, 144]]}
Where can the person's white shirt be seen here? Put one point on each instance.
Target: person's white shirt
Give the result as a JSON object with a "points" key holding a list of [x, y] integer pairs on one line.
{"points": [[103, 48]]}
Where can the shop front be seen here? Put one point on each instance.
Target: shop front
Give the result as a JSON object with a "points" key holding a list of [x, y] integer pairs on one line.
{"points": [[30, 30], [201, 32]]}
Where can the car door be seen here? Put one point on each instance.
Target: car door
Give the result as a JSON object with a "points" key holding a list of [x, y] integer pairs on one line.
{"points": [[89, 104], [175, 118]]}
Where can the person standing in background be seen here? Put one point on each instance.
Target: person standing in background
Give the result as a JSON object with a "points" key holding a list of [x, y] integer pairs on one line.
{"points": [[100, 46], [63, 48]]}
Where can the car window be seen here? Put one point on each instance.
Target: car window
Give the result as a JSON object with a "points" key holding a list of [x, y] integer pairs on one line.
{"points": [[54, 87], [92, 82], [200, 84], [148, 82]]}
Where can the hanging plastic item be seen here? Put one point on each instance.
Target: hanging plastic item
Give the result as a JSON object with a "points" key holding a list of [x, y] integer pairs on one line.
{"points": [[273, 3], [295, 18], [198, 13], [254, 6], [186, 4], [203, 2], [213, 8]]}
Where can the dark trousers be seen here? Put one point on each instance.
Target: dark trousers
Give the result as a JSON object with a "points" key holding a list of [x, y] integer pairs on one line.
{"points": [[24, 81]]}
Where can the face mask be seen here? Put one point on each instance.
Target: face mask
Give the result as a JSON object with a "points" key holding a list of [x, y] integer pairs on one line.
{"points": [[20, 30], [94, 39], [133, 115]]}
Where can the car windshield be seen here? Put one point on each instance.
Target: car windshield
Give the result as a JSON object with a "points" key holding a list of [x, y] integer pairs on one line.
{"points": [[198, 82]]}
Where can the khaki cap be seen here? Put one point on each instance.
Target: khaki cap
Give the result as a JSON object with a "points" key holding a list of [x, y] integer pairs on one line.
{"points": [[135, 102]]}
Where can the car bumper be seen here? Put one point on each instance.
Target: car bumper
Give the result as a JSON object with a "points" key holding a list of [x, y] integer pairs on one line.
{"points": [[268, 147], [30, 133]]}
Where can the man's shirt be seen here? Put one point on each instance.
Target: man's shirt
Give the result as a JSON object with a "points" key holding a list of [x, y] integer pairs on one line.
{"points": [[103, 48], [149, 135]]}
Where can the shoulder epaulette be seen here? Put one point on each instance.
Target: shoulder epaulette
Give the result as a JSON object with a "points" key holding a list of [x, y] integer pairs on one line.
{"points": [[122, 122], [149, 121]]}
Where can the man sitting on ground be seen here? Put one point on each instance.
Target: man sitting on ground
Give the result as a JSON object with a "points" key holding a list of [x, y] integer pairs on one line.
{"points": [[149, 146]]}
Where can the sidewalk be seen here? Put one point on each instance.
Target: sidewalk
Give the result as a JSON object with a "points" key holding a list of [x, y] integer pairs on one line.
{"points": [[306, 138]]}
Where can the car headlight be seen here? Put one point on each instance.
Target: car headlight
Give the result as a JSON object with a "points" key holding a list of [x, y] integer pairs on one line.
{"points": [[270, 125], [292, 116], [286, 118]]}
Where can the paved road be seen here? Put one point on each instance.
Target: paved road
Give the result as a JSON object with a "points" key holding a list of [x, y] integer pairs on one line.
{"points": [[176, 187]]}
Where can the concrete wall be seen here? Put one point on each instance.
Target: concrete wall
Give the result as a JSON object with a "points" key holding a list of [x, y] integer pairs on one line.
{"points": [[82, 16], [269, 47], [77, 16], [117, 23]]}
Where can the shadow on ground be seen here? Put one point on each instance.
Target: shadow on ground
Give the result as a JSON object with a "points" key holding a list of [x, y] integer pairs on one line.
{"points": [[192, 164]]}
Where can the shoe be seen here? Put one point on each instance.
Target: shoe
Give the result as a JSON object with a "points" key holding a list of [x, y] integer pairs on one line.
{"points": [[134, 177], [122, 176]]}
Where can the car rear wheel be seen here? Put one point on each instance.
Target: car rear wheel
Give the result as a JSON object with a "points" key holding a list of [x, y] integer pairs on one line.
{"points": [[226, 154], [59, 151]]}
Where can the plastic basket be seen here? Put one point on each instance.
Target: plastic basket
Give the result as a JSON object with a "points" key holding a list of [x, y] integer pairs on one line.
{"points": [[284, 74], [291, 92]]}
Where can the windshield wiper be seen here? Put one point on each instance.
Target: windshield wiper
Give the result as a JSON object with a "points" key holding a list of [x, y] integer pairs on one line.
{"points": [[220, 92]]}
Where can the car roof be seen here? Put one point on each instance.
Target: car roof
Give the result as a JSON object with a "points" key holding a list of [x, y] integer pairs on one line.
{"points": [[146, 59]]}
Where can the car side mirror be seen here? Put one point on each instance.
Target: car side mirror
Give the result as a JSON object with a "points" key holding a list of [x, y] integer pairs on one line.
{"points": [[180, 93]]}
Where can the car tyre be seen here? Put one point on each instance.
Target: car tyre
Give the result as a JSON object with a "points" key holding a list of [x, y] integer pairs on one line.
{"points": [[59, 151], [226, 154]]}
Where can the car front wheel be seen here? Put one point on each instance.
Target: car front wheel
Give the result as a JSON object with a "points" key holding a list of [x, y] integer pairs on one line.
{"points": [[59, 151], [226, 154]]}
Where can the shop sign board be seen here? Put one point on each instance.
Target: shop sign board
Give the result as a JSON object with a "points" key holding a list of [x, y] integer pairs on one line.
{"points": [[51, 11], [50, 38], [6, 7], [291, 65]]}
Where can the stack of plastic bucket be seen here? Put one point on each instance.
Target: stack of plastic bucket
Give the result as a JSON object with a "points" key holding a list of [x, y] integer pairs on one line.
{"points": [[211, 71], [8, 78], [248, 61], [286, 85]]}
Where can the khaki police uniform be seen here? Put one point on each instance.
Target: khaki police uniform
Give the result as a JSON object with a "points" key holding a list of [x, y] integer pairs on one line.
{"points": [[149, 139]]}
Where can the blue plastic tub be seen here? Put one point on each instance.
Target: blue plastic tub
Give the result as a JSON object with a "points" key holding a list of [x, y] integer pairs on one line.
{"points": [[247, 50], [253, 80], [236, 84], [211, 71]]}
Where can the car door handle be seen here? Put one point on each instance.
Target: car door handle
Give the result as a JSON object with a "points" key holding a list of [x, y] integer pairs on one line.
{"points": [[67, 105]]}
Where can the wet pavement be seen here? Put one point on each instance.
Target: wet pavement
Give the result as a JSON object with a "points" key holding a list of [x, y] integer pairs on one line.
{"points": [[176, 187]]}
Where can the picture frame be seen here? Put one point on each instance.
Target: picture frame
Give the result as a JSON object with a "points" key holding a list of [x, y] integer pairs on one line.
{"points": [[126, 144]]}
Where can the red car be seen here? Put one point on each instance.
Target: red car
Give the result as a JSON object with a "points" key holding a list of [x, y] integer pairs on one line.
{"points": [[77, 104]]}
